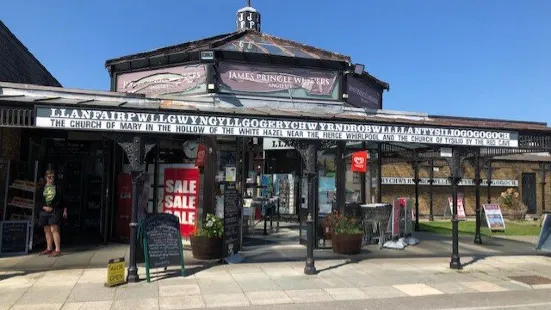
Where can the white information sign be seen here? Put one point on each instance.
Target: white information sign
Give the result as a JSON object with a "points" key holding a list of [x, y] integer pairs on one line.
{"points": [[153, 122], [494, 218], [446, 182]]}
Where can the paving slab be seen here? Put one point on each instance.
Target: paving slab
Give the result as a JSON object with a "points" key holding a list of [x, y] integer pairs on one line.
{"points": [[137, 291], [452, 288], [308, 295], [220, 288], [187, 302], [348, 293], [258, 285], [332, 283], [89, 305], [179, 290], [9, 295], [226, 300], [136, 304], [83, 292], [483, 286], [382, 292], [38, 306], [296, 283], [268, 297], [418, 289], [45, 295]]}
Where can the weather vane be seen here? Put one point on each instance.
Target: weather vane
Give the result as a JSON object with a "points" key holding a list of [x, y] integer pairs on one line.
{"points": [[248, 3]]}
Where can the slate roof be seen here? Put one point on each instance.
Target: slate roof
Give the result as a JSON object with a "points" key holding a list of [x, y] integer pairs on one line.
{"points": [[18, 64], [261, 43]]}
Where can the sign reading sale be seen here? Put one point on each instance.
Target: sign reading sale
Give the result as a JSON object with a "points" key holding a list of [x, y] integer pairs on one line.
{"points": [[181, 195], [359, 161]]}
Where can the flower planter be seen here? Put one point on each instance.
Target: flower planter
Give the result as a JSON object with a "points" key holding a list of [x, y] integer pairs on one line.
{"points": [[346, 244], [206, 248]]}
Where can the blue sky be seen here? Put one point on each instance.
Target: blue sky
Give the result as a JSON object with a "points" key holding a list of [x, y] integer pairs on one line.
{"points": [[477, 58]]}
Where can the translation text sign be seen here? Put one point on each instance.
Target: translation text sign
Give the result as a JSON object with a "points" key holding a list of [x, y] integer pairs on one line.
{"points": [[111, 120]]}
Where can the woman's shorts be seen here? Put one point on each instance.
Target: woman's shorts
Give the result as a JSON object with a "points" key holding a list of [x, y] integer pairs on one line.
{"points": [[47, 219]]}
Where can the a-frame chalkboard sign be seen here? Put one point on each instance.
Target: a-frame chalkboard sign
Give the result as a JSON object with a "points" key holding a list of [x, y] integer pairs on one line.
{"points": [[161, 242]]}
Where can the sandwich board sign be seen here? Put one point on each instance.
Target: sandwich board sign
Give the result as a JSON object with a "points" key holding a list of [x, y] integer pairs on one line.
{"points": [[494, 218]]}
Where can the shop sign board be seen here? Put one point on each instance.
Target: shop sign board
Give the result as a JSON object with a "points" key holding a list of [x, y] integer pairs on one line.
{"points": [[181, 196], [14, 237], [494, 218], [362, 95], [446, 182], [174, 81], [115, 272], [181, 123], [359, 161], [278, 81]]}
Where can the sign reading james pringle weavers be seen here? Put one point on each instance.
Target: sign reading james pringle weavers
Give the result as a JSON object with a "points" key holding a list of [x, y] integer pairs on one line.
{"points": [[278, 81], [111, 120]]}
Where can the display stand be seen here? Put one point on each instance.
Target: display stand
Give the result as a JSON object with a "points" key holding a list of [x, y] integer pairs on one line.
{"points": [[20, 198]]}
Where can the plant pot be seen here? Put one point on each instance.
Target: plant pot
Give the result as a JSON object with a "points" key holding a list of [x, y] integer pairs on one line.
{"points": [[346, 244], [206, 248]]}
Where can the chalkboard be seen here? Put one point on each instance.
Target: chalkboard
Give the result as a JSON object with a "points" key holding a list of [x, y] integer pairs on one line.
{"points": [[162, 242], [14, 239], [232, 215]]}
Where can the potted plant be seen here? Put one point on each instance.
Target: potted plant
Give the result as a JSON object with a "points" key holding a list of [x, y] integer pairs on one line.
{"points": [[206, 242], [346, 234], [511, 203]]}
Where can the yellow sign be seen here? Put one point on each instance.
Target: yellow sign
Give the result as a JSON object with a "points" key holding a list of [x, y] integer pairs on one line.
{"points": [[115, 272]]}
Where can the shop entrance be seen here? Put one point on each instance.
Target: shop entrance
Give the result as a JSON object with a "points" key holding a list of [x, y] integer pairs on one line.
{"points": [[529, 191]]}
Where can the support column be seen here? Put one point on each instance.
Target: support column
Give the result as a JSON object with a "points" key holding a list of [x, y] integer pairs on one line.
{"points": [[136, 151], [477, 181], [309, 156], [542, 183], [488, 168], [340, 185], [416, 181], [431, 182], [379, 173], [209, 192], [455, 178], [363, 194]]}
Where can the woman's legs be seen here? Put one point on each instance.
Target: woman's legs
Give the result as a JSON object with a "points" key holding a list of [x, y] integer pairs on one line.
{"points": [[49, 238], [56, 237]]}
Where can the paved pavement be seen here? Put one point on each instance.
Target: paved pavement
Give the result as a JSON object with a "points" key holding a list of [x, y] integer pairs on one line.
{"points": [[272, 275], [258, 284]]}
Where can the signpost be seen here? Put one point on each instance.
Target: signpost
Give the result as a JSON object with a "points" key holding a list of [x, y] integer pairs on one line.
{"points": [[494, 218], [14, 237], [162, 242], [115, 272]]}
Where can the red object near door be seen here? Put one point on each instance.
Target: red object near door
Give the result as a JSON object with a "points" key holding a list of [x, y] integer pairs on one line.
{"points": [[124, 206]]}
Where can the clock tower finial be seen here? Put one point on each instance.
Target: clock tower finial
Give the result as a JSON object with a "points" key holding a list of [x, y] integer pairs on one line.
{"points": [[248, 18]]}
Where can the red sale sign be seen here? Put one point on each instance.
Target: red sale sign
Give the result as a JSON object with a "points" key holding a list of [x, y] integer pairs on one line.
{"points": [[181, 195], [359, 161]]}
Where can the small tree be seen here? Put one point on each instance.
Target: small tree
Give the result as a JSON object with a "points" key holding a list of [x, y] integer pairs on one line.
{"points": [[510, 201]]}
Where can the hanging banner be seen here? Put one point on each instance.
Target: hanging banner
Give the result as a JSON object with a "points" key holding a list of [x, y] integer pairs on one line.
{"points": [[181, 195], [494, 218], [460, 207], [201, 154], [359, 161], [181, 123]]}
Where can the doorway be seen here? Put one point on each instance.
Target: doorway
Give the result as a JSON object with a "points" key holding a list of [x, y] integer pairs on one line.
{"points": [[529, 191]]}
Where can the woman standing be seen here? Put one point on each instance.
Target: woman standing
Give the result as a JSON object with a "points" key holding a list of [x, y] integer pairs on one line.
{"points": [[50, 215]]}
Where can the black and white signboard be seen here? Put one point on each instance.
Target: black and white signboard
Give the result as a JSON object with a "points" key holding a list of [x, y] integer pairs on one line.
{"points": [[111, 120], [445, 182]]}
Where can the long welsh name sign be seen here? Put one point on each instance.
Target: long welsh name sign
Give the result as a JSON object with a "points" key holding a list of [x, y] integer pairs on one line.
{"points": [[178, 123]]}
